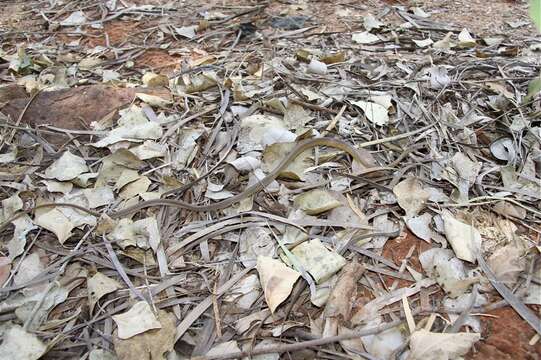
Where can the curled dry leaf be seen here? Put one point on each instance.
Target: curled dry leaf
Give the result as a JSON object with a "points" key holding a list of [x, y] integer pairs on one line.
{"points": [[137, 320], [464, 238], [277, 280], [427, 345]]}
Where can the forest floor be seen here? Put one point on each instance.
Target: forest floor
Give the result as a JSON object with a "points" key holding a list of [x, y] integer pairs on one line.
{"points": [[132, 133]]}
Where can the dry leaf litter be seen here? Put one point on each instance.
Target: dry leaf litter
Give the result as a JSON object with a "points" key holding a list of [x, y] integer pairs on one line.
{"points": [[113, 111]]}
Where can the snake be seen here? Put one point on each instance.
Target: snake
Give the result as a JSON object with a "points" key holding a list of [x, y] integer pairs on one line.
{"points": [[359, 155]]}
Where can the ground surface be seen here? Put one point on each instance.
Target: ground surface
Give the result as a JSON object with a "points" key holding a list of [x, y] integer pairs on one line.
{"points": [[474, 93]]}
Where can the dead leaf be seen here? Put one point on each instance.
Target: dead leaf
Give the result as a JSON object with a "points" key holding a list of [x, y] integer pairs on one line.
{"points": [[427, 345], [277, 280], [151, 345], [56, 222], [316, 201], [5, 268], [320, 262], [374, 112], [17, 344], [98, 286], [67, 167], [411, 196], [465, 239], [137, 320]]}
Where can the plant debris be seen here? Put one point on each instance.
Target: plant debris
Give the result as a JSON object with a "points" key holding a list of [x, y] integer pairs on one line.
{"points": [[291, 179]]}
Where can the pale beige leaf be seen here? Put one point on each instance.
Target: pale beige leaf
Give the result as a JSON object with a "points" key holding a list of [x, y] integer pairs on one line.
{"points": [[275, 153], [320, 262], [507, 263], [23, 226], [364, 38], [137, 320], [135, 188], [224, 348], [56, 222], [67, 167], [465, 40], [151, 79], [411, 196], [149, 150], [97, 197], [17, 344], [276, 279], [100, 285], [153, 100], [464, 239], [374, 112], [426, 345], [151, 345], [316, 201]]}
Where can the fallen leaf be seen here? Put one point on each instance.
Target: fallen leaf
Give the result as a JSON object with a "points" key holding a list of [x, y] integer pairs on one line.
{"points": [[17, 344], [151, 79], [97, 197], [98, 286], [465, 40], [376, 113], [427, 345], [275, 153], [23, 225], [223, 348], [320, 262], [56, 222], [149, 150], [316, 201], [152, 344], [420, 226], [465, 239], [411, 195], [423, 43], [276, 279], [370, 22], [507, 264], [76, 18], [186, 31], [5, 268], [364, 38], [67, 167], [153, 100], [101, 354], [137, 320]]}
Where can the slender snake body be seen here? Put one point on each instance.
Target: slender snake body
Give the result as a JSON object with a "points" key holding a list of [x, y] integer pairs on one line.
{"points": [[250, 190]]}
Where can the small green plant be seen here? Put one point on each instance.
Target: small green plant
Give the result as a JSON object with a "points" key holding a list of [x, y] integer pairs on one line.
{"points": [[535, 12]]}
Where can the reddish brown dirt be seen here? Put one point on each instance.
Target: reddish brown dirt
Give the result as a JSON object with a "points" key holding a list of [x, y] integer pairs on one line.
{"points": [[506, 337], [397, 250], [117, 32], [158, 61]]}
